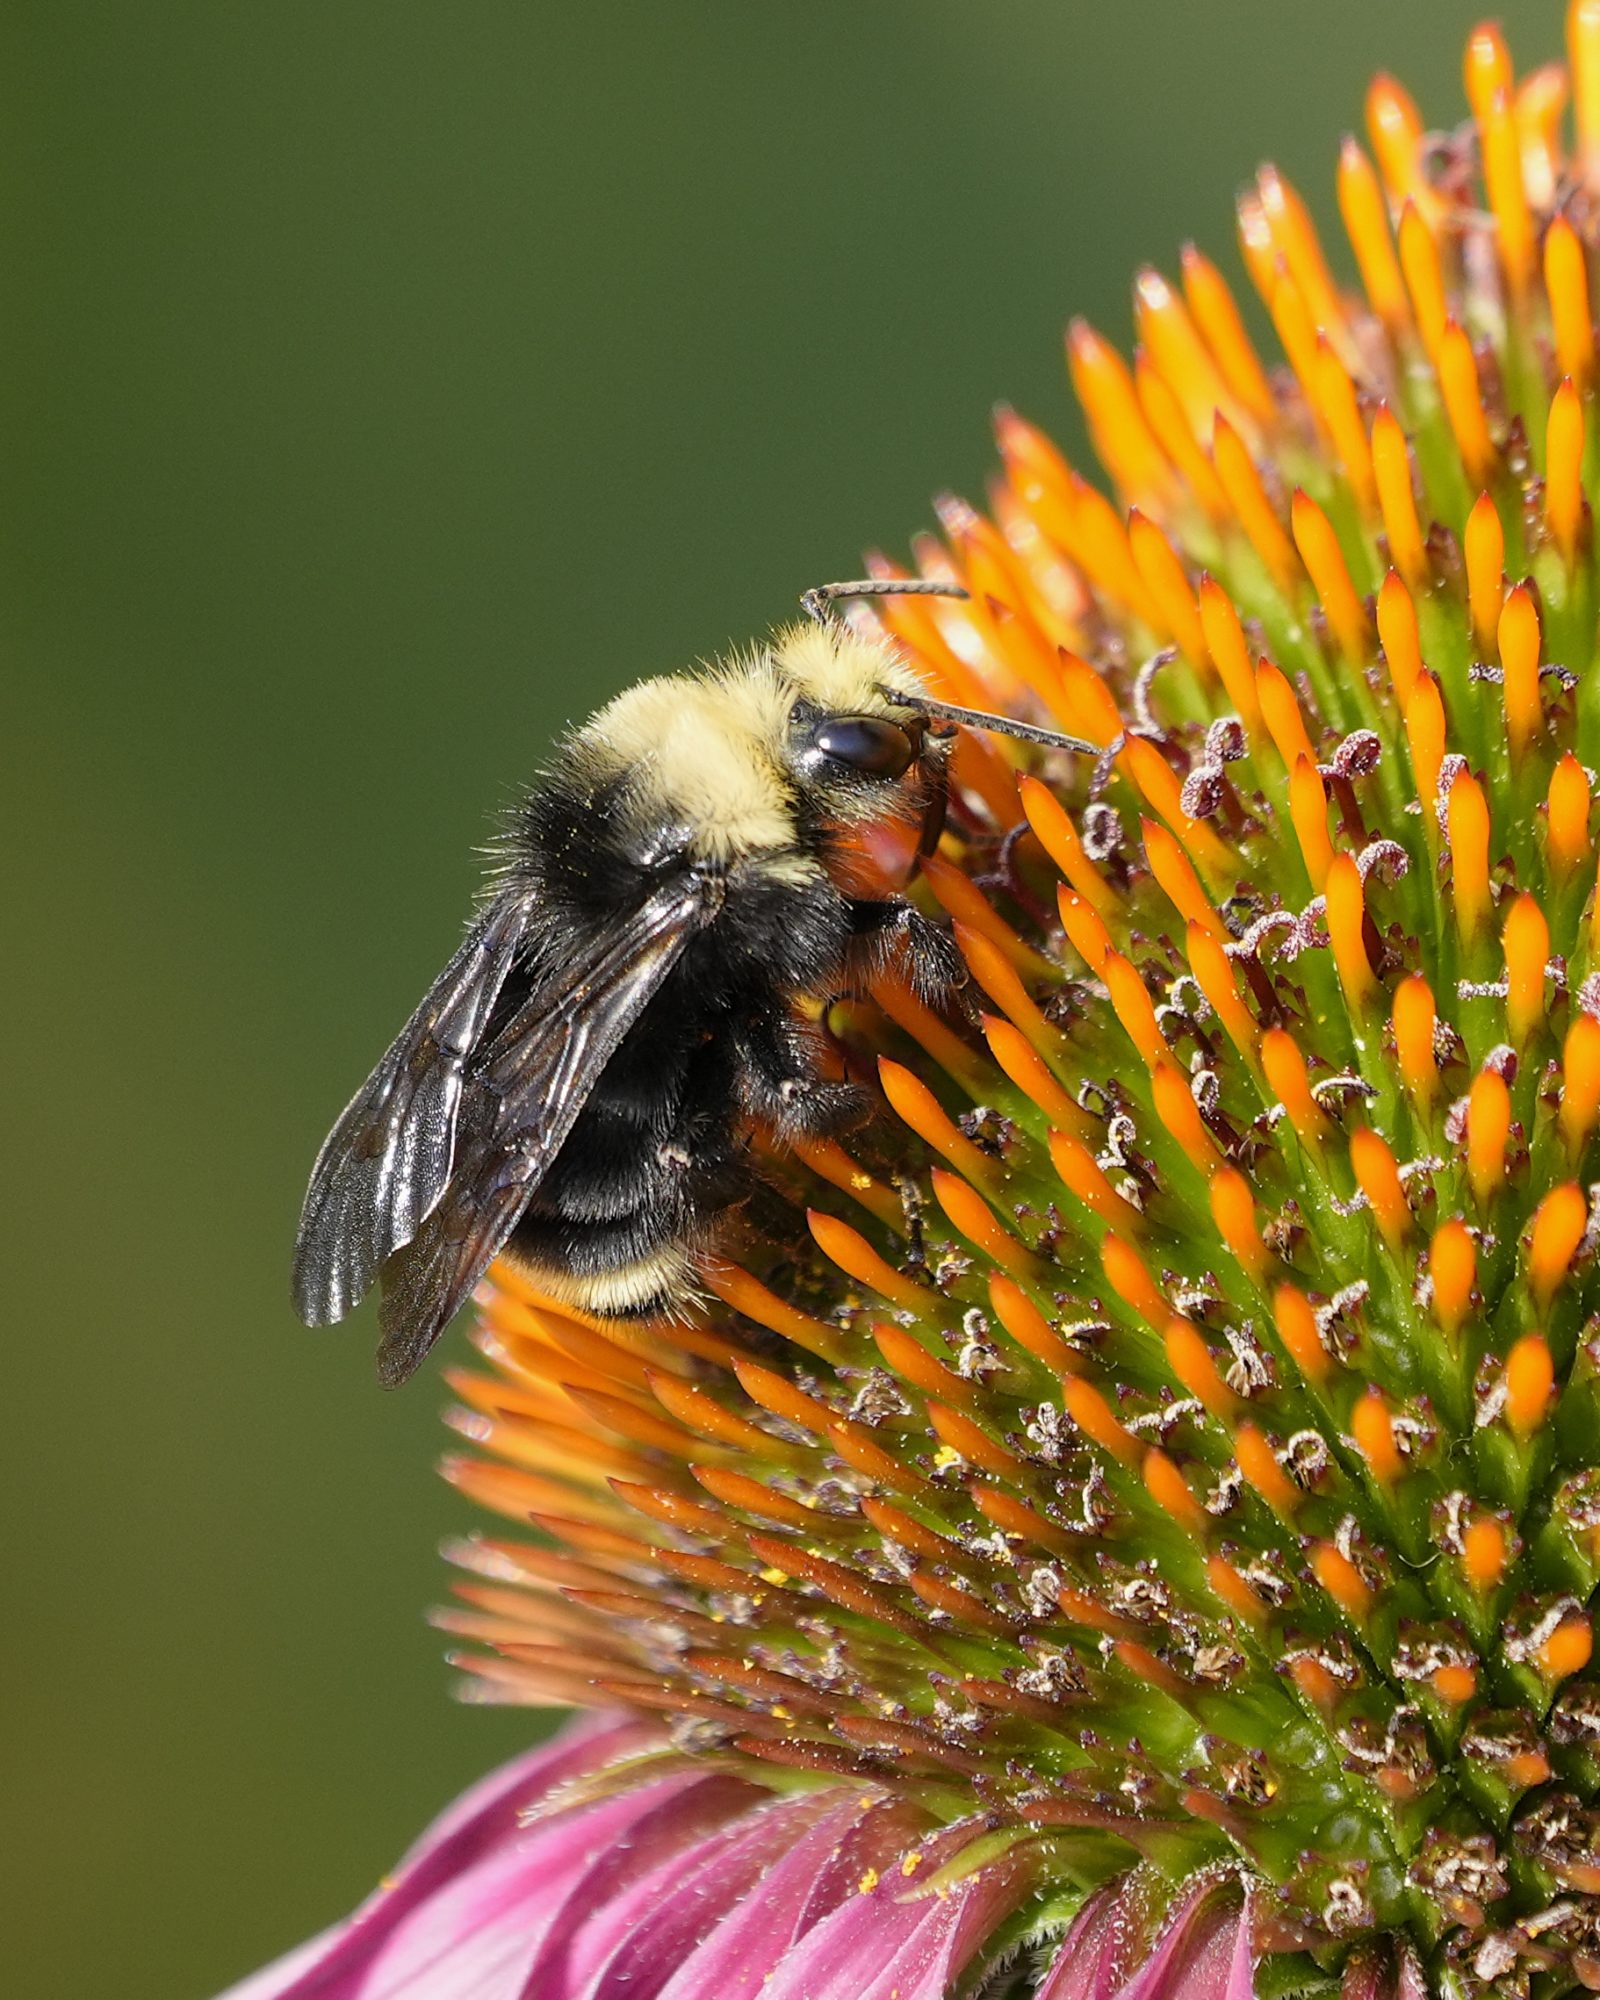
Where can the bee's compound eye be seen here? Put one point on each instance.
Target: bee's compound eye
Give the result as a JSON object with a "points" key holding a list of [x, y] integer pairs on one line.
{"points": [[866, 743]]}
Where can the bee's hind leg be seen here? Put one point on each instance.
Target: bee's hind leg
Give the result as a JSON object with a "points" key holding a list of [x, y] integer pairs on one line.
{"points": [[783, 1081]]}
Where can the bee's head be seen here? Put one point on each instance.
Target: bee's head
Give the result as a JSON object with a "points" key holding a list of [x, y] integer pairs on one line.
{"points": [[855, 750]]}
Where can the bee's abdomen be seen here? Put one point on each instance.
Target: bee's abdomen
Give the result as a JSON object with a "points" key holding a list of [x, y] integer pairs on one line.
{"points": [[647, 1168]]}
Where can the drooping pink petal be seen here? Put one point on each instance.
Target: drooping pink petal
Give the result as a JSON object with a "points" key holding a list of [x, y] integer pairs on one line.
{"points": [[629, 1948], [1204, 1953], [812, 1879], [890, 1941], [1085, 1965], [928, 1964], [847, 1948], [671, 1825]]}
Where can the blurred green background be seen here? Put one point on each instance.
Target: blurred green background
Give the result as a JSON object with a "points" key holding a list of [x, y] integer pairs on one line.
{"points": [[384, 385]]}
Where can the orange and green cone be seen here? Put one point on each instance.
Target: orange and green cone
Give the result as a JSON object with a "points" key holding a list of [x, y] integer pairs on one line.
{"points": [[1166, 1469]]}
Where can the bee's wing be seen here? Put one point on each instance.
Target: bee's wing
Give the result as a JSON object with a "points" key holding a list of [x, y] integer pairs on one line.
{"points": [[385, 1164], [523, 1095]]}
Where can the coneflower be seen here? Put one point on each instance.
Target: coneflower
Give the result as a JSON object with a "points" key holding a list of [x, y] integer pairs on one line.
{"points": [[1144, 1543]]}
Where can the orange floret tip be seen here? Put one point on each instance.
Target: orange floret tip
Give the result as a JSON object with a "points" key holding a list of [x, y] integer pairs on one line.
{"points": [[1568, 1649], [972, 1216], [1026, 1068], [1174, 871], [1280, 710], [1463, 402], [1175, 347], [1372, 1427], [1190, 1361], [1580, 1083], [1216, 314], [1259, 1464], [1397, 633], [1425, 737], [1518, 640], [1488, 1134], [1540, 107], [1090, 1411], [1308, 809], [1179, 1115], [914, 1102], [1286, 1073], [1467, 818], [1484, 546], [1484, 1553], [1230, 654], [1379, 1180], [1366, 221], [1566, 281], [1295, 236], [1082, 1175], [1132, 1283], [1558, 1228], [1123, 439], [1530, 1384], [1339, 409], [998, 977], [1508, 197], [1252, 507], [1567, 816], [1234, 1212], [1060, 840], [1168, 586], [1396, 129], [1167, 1486], [1452, 1273], [1415, 1020], [1419, 260], [1347, 928], [1486, 68], [1319, 549], [1397, 501], [1527, 948], [855, 1256], [1296, 1322], [1131, 1002], [1086, 933], [1215, 976]]}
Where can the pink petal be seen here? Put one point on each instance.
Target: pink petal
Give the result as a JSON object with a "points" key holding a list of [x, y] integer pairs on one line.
{"points": [[842, 1953], [933, 1957], [475, 1939], [677, 1818], [1204, 1954], [630, 1947], [1085, 1966], [813, 1878]]}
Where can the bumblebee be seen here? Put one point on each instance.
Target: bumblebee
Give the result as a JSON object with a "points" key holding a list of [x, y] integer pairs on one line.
{"points": [[576, 1089]]}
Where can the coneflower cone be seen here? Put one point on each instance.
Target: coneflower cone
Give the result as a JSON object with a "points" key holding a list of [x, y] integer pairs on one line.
{"points": [[1159, 1507]]}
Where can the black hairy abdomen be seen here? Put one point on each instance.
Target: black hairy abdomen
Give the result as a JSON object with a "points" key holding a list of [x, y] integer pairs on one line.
{"points": [[657, 1153]]}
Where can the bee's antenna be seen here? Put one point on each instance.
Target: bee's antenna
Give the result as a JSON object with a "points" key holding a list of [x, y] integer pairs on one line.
{"points": [[999, 725], [819, 603]]}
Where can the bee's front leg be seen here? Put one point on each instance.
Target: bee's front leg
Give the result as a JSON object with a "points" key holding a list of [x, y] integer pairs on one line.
{"points": [[894, 935]]}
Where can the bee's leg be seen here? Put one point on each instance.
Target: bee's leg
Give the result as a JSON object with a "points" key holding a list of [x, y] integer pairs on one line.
{"points": [[781, 1081], [894, 933]]}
